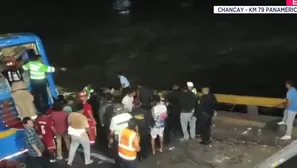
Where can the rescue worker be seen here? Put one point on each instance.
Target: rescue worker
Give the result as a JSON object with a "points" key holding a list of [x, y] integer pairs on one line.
{"points": [[88, 112], [208, 105], [159, 113], [118, 122], [129, 145], [88, 89], [12, 74], [191, 87], [144, 119], [23, 99], [38, 81]]}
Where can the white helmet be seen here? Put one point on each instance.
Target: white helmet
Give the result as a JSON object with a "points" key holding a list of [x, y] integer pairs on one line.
{"points": [[190, 84]]}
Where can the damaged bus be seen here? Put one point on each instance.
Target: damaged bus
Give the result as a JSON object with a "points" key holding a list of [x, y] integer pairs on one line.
{"points": [[12, 143]]}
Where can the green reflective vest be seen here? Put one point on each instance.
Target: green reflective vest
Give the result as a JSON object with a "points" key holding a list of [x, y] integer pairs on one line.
{"points": [[37, 69]]}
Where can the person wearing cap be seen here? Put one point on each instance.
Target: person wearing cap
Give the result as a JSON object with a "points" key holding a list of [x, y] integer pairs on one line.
{"points": [[38, 81], [118, 122], [88, 112], [208, 104], [144, 119], [191, 87], [88, 89], [129, 144], [188, 102], [159, 113]]}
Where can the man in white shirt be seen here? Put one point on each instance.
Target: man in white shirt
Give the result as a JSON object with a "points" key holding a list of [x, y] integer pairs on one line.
{"points": [[127, 101], [118, 122], [159, 113]]}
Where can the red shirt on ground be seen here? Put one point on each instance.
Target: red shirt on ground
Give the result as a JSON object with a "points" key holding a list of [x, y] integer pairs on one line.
{"points": [[60, 121]]}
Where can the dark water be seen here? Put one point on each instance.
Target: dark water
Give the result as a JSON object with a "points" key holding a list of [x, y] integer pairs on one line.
{"points": [[238, 54]]}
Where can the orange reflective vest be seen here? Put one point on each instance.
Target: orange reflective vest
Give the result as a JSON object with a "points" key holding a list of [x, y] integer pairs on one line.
{"points": [[126, 149]]}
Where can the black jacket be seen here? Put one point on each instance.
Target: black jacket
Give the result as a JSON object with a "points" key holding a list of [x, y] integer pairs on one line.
{"points": [[208, 104], [143, 118], [187, 101], [145, 95]]}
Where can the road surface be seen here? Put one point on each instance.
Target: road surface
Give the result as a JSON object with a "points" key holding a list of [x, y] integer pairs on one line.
{"points": [[232, 147]]}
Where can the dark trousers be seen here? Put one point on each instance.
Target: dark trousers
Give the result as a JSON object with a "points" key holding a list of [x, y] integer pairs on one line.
{"points": [[39, 92], [205, 126], [144, 145], [115, 154], [129, 163], [38, 162]]}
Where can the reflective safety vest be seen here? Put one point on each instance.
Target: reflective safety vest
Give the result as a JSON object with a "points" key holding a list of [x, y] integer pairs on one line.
{"points": [[126, 149], [37, 69]]}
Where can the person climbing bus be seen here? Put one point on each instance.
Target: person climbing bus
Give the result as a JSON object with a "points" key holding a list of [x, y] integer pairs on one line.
{"points": [[88, 112], [38, 81]]}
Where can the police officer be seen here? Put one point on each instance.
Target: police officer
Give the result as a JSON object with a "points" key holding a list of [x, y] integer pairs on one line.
{"points": [[118, 122], [143, 118], [38, 81]]}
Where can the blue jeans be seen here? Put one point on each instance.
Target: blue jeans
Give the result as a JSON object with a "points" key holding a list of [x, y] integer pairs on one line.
{"points": [[129, 163]]}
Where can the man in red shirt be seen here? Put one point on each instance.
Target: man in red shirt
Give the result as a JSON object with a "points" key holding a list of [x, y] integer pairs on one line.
{"points": [[60, 122], [47, 133]]}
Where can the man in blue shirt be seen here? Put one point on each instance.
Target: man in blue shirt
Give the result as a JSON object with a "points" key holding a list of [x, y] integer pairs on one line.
{"points": [[291, 110], [125, 84]]}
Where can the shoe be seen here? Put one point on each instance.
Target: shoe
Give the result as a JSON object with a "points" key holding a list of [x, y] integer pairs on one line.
{"points": [[286, 137], [60, 158], [281, 123], [161, 150], [183, 139], [205, 142], [53, 160], [90, 162]]}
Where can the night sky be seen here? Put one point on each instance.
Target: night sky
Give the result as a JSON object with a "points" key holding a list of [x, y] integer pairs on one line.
{"points": [[238, 54]]}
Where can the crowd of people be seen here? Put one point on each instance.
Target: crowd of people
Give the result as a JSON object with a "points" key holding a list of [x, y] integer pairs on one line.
{"points": [[127, 125]]}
